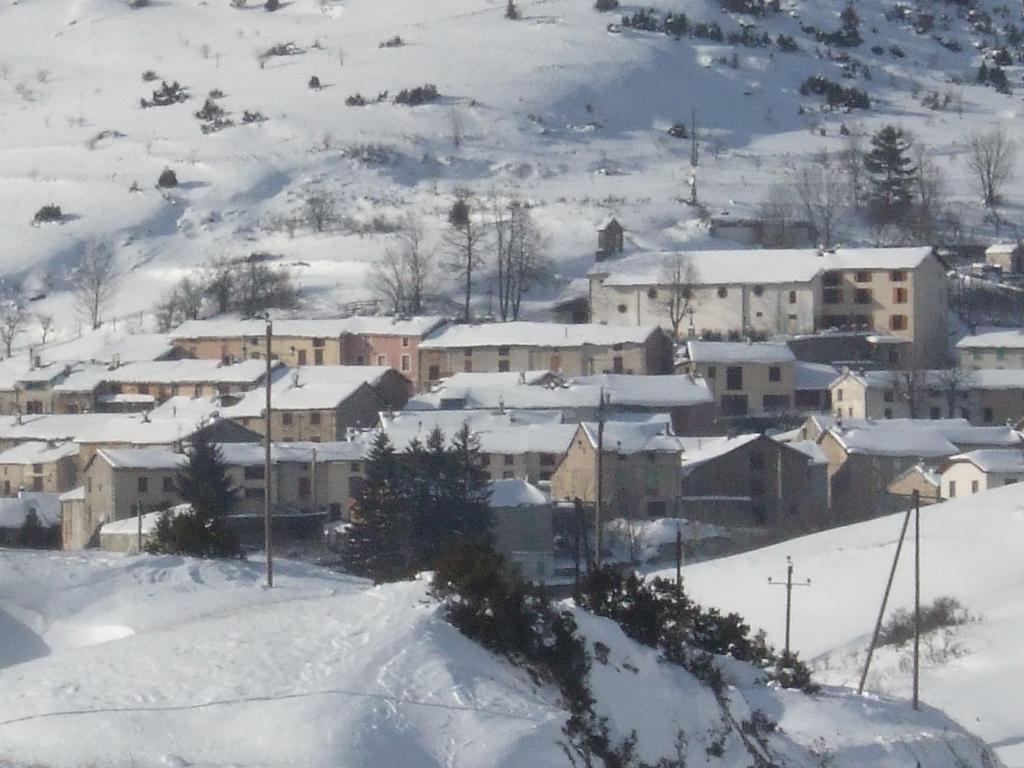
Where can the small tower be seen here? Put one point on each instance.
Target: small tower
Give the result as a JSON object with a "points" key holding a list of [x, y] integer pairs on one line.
{"points": [[609, 239]]}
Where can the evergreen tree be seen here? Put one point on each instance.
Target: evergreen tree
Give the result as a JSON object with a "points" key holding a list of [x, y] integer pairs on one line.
{"points": [[470, 511], [890, 174], [378, 537], [204, 483]]}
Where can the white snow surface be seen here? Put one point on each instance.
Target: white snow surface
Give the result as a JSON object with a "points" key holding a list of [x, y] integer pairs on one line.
{"points": [[159, 660], [969, 551]]}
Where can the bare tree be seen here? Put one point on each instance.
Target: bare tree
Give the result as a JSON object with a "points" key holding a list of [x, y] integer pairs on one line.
{"points": [[464, 241], [852, 161], [955, 383], [320, 211], [219, 282], [457, 126], [95, 282], [405, 276], [12, 323], [822, 192], [680, 277], [46, 326], [993, 159], [929, 188], [529, 262], [778, 212]]}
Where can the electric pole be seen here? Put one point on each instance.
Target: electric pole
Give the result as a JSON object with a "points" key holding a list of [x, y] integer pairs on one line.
{"points": [[917, 598], [679, 558], [600, 480], [789, 584], [267, 483]]}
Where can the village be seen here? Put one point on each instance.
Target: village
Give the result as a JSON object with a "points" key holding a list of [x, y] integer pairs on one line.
{"points": [[727, 398]]}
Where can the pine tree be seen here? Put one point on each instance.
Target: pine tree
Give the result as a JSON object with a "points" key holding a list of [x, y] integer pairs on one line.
{"points": [[378, 538], [204, 483], [470, 512], [890, 174]]}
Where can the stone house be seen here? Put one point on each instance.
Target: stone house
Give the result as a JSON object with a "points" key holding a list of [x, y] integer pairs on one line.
{"points": [[1008, 257], [639, 470], [380, 341], [923, 478], [569, 349], [39, 466], [745, 378], [164, 379], [976, 471], [999, 348], [522, 524]]}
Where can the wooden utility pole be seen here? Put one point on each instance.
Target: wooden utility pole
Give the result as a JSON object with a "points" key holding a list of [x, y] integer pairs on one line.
{"points": [[789, 584], [679, 559], [139, 516], [917, 598], [598, 503], [885, 601], [267, 482]]}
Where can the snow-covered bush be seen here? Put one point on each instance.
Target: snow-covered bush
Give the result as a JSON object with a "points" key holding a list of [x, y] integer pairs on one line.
{"points": [[48, 213], [168, 179], [421, 94]]}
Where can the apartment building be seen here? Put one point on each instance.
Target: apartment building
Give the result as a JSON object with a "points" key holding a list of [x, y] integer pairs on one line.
{"points": [[39, 466], [997, 348], [745, 378], [572, 350], [895, 291]]}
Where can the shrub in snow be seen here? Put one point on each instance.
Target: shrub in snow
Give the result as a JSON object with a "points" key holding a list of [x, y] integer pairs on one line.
{"points": [[679, 131], [168, 179], [512, 11], [392, 42], [837, 96], [943, 612], [149, 76], [421, 94], [253, 117], [166, 95], [606, 5], [282, 49], [137, 3], [314, 83], [48, 213], [272, 5]]}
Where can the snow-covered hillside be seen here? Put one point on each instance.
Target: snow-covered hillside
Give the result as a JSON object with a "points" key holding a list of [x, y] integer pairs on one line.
{"points": [[156, 661], [970, 551], [552, 107]]}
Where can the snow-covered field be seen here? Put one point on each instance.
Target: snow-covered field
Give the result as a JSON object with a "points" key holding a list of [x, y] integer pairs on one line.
{"points": [[553, 108], [970, 551], [156, 661]]}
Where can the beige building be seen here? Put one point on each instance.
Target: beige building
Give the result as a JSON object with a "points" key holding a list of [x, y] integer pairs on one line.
{"points": [[896, 291], [572, 350], [976, 471], [50, 467], [381, 341], [745, 378], [639, 470], [307, 479], [922, 478], [1009, 257], [164, 379]]}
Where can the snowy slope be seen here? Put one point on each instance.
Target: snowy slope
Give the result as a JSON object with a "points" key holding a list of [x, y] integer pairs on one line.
{"points": [[150, 661], [552, 107], [970, 551]]}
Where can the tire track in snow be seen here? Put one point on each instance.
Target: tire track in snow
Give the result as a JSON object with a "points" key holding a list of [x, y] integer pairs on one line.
{"points": [[396, 700]]}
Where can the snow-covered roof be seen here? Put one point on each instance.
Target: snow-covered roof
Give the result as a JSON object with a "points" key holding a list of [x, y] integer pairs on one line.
{"points": [[38, 452], [961, 379], [75, 494], [130, 525], [701, 450], [738, 352], [810, 448], [231, 327], [14, 511], [241, 454], [668, 391], [813, 376], [309, 387], [516, 493], [993, 338], [623, 437], [492, 379], [926, 438], [142, 458], [753, 266], [991, 460], [188, 371], [527, 334], [1001, 248], [511, 432]]}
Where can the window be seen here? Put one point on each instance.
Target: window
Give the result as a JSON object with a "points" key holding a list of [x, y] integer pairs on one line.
{"points": [[774, 373], [862, 277], [286, 418], [899, 295], [776, 402], [652, 293], [143, 484], [839, 395], [758, 290], [503, 366], [305, 487], [898, 275], [37, 468], [405, 341], [434, 373], [617, 347], [622, 309], [792, 297], [467, 351], [952, 489], [987, 416], [655, 509], [302, 357], [485, 459], [711, 372], [734, 405], [723, 292], [318, 357], [406, 363], [1000, 354], [734, 377], [143, 389], [318, 342], [253, 472], [898, 323], [974, 486], [356, 468], [832, 279], [547, 459], [617, 366], [510, 459], [503, 351], [862, 296], [887, 413], [832, 296], [168, 485], [889, 396], [382, 359], [467, 365], [556, 363], [314, 418], [934, 413]]}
